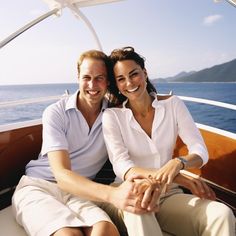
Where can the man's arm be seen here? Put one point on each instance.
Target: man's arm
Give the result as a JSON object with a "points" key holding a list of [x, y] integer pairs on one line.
{"points": [[123, 197]]}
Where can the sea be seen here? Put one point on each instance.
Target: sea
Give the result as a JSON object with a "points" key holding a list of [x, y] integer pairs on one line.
{"points": [[206, 114]]}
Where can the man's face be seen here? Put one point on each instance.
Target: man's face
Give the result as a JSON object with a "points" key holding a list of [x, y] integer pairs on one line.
{"points": [[93, 81]]}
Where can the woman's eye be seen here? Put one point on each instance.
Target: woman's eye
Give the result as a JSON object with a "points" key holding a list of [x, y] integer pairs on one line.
{"points": [[120, 79], [134, 74]]}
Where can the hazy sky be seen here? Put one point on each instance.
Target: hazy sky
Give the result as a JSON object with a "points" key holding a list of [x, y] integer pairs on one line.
{"points": [[173, 36]]}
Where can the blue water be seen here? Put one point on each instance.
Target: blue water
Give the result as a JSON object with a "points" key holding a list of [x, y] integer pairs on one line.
{"points": [[206, 114]]}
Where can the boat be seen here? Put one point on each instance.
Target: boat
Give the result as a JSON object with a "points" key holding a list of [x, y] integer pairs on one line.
{"points": [[21, 142]]}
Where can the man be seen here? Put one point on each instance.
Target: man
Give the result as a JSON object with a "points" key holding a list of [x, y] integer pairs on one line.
{"points": [[56, 196]]}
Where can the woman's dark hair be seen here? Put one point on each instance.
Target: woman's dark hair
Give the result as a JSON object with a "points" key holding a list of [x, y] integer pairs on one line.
{"points": [[125, 53]]}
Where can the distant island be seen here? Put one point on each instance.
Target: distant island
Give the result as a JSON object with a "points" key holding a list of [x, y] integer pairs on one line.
{"points": [[225, 72]]}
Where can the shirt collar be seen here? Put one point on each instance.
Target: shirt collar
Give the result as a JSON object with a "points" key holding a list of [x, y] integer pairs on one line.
{"points": [[155, 102], [71, 103]]}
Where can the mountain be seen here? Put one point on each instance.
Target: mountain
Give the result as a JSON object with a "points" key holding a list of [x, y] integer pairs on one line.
{"points": [[173, 78], [225, 72], [180, 75]]}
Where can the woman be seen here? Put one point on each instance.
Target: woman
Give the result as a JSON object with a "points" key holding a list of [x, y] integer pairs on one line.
{"points": [[140, 136]]}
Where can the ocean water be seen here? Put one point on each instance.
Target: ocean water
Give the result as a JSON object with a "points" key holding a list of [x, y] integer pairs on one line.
{"points": [[206, 114]]}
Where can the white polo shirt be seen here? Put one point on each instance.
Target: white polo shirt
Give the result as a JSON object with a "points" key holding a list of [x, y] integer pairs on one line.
{"points": [[128, 145], [65, 128]]}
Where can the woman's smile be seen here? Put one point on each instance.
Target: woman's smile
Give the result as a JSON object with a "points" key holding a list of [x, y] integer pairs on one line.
{"points": [[132, 90]]}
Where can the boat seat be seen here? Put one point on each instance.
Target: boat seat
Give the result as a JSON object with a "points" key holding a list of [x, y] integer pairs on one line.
{"points": [[8, 224]]}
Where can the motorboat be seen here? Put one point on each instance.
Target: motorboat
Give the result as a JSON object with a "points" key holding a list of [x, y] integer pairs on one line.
{"points": [[21, 142]]}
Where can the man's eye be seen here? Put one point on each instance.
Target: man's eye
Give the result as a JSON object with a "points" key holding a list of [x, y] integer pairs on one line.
{"points": [[101, 78], [86, 78]]}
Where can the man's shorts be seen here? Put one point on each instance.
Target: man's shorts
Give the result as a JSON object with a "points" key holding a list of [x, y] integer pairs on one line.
{"points": [[42, 208]]}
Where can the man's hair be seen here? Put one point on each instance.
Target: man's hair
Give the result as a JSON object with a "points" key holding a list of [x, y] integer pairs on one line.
{"points": [[95, 54]]}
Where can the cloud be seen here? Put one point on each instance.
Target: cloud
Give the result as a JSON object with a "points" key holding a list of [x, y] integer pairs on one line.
{"points": [[210, 20]]}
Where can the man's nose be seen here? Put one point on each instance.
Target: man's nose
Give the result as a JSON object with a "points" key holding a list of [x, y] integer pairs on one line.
{"points": [[92, 83]]}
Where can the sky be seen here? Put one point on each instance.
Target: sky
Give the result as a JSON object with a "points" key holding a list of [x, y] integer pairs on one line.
{"points": [[173, 36]]}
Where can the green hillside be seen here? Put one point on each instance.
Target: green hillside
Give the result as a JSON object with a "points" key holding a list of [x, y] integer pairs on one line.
{"points": [[225, 72]]}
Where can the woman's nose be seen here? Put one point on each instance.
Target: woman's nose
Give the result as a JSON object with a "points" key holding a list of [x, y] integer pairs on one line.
{"points": [[128, 81]]}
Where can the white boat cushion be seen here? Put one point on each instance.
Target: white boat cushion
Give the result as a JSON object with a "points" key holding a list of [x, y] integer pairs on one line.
{"points": [[8, 224]]}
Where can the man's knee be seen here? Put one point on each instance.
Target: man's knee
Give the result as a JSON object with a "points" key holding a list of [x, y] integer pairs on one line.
{"points": [[102, 228], [108, 228], [68, 231]]}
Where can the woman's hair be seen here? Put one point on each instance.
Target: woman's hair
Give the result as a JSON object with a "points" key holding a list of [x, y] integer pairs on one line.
{"points": [[125, 53], [98, 55]]}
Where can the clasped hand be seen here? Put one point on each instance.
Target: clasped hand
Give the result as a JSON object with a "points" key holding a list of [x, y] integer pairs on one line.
{"points": [[139, 195]]}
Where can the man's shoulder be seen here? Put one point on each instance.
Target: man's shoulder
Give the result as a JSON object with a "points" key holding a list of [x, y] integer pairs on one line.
{"points": [[56, 108]]}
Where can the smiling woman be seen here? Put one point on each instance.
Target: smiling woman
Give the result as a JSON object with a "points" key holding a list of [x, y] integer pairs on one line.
{"points": [[140, 135]]}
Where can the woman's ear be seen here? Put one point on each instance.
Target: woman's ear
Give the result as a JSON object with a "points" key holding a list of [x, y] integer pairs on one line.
{"points": [[145, 72]]}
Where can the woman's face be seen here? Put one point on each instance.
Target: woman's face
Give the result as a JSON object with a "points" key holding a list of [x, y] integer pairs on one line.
{"points": [[130, 79]]}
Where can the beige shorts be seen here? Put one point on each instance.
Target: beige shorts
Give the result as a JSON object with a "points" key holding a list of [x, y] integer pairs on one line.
{"points": [[42, 208]]}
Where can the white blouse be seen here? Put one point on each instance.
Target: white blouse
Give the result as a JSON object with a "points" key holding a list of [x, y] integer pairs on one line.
{"points": [[128, 145]]}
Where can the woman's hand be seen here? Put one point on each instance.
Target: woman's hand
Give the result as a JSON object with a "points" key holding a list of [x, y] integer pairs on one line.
{"points": [[148, 191], [137, 194], [196, 185], [168, 172]]}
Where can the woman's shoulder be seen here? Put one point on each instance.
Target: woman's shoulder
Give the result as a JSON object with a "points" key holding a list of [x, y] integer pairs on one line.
{"points": [[163, 97], [169, 100], [167, 97]]}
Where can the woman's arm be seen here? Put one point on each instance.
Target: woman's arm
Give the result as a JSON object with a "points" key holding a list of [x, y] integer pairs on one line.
{"points": [[190, 135], [195, 184]]}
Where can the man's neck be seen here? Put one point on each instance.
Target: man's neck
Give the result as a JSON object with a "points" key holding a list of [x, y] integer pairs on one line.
{"points": [[90, 111]]}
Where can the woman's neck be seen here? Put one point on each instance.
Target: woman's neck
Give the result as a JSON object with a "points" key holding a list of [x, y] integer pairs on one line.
{"points": [[141, 107]]}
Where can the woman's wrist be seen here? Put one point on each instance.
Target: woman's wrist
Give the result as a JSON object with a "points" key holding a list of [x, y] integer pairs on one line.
{"points": [[182, 162]]}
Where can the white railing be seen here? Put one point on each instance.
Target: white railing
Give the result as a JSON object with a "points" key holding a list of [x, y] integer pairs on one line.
{"points": [[209, 102], [29, 101], [53, 98], [29, 123]]}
